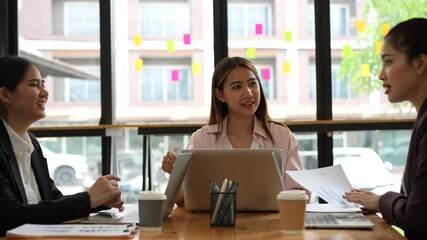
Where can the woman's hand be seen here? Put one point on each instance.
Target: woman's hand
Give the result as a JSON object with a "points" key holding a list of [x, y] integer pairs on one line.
{"points": [[106, 191], [169, 161], [369, 200]]}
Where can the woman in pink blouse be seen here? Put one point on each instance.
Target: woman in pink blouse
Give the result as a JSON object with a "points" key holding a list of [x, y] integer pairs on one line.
{"points": [[239, 118]]}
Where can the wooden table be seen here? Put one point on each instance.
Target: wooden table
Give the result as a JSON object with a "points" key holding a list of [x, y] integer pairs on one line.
{"points": [[186, 225]]}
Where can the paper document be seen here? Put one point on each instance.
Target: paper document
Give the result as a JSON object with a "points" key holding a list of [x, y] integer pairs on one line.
{"points": [[329, 183], [73, 230], [326, 207]]}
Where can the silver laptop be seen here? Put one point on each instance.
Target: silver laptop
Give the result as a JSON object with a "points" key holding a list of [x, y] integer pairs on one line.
{"points": [[258, 172], [337, 220], [175, 181]]}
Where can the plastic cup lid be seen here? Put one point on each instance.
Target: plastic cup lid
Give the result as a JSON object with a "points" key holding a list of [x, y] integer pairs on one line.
{"points": [[151, 195], [293, 195]]}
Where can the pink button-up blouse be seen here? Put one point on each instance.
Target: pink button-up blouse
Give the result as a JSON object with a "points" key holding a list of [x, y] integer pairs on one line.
{"points": [[206, 138]]}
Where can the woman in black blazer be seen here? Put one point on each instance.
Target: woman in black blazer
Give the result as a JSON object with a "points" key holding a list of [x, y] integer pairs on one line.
{"points": [[404, 76], [27, 193]]}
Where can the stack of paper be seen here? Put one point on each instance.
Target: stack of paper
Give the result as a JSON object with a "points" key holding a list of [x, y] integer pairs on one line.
{"points": [[73, 230], [329, 183]]}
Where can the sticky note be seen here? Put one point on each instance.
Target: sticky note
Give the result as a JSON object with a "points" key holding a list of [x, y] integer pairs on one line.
{"points": [[195, 68], [258, 28], [175, 75], [137, 40], [187, 39], [346, 51], [385, 27], [286, 67], [378, 46], [360, 26], [265, 72], [171, 46], [139, 64], [288, 36], [250, 52], [364, 69]]}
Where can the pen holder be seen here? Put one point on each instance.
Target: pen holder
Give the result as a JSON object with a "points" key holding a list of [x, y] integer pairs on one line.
{"points": [[223, 209]]}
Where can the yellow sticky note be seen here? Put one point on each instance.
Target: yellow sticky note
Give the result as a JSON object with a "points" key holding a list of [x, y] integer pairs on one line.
{"points": [[195, 68], [385, 27], [137, 40], [364, 69], [360, 26], [250, 52], [171, 46], [288, 36], [346, 51], [139, 64], [378, 46], [286, 67]]}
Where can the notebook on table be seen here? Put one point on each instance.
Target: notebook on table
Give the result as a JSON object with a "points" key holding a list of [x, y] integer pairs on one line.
{"points": [[258, 172], [337, 220]]}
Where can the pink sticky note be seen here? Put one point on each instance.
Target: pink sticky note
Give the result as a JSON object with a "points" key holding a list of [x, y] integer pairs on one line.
{"points": [[258, 28], [175, 75], [265, 73], [187, 38]]}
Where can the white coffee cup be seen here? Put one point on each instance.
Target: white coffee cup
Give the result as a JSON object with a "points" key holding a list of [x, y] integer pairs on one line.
{"points": [[151, 206], [292, 205]]}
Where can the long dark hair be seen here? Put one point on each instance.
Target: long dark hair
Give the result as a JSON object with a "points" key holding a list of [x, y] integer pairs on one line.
{"points": [[12, 71], [409, 36]]}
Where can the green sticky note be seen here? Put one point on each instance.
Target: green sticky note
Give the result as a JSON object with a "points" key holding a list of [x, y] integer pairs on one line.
{"points": [[346, 51], [171, 46], [288, 36], [250, 52]]}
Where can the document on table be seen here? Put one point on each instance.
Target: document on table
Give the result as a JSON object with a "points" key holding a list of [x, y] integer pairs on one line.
{"points": [[329, 183], [73, 230], [327, 207]]}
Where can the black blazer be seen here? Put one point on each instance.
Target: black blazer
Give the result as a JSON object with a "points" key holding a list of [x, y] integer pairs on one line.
{"points": [[408, 209], [14, 208]]}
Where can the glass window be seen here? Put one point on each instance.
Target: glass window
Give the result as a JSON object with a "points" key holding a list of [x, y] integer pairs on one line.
{"points": [[307, 149], [243, 18], [78, 89], [62, 38], [163, 60], [156, 18], [266, 71], [372, 160], [80, 20], [74, 162], [272, 34], [340, 87], [340, 18], [130, 165], [357, 33], [165, 83]]}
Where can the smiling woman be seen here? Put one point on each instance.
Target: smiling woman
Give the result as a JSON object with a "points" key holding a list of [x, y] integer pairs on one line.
{"points": [[28, 194], [239, 119]]}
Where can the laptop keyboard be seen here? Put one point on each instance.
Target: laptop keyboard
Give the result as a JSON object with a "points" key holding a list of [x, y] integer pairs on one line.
{"points": [[320, 219]]}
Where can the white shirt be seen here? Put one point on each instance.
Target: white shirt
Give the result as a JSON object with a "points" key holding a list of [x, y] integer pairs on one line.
{"points": [[23, 149]]}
